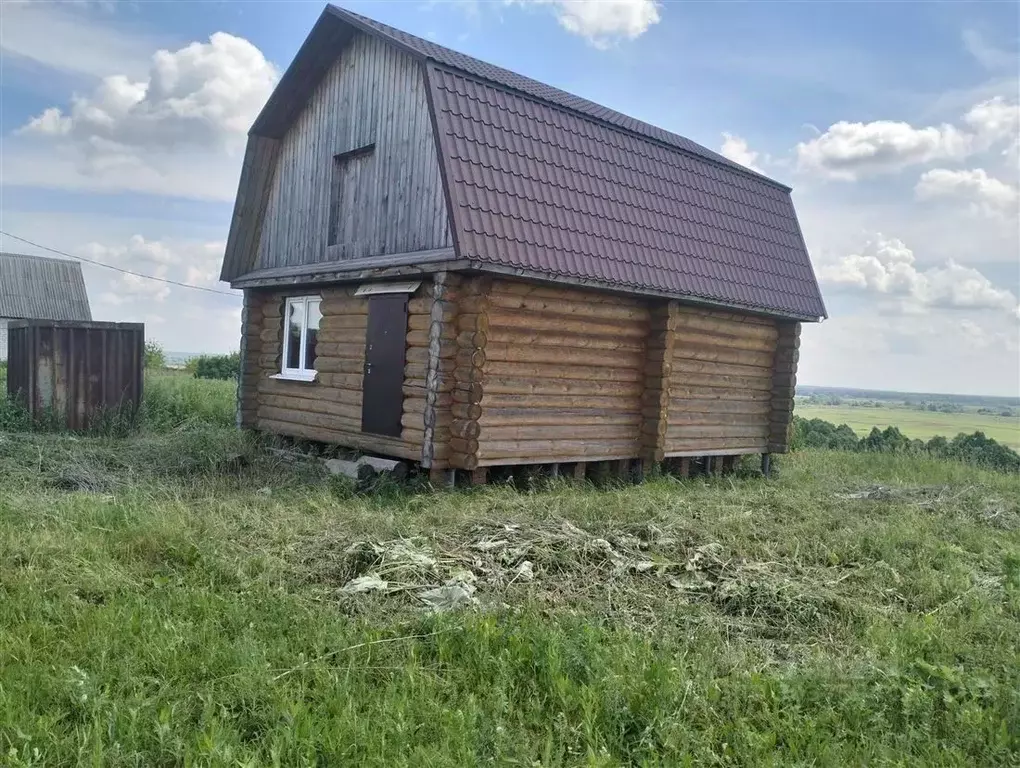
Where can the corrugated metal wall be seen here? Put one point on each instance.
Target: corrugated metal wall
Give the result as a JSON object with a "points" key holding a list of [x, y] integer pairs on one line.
{"points": [[75, 373]]}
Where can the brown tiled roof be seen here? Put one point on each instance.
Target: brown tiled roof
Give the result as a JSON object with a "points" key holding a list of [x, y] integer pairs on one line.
{"points": [[550, 183], [545, 184], [543, 189], [485, 71]]}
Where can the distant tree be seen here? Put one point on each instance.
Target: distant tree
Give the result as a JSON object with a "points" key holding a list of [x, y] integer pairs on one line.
{"points": [[818, 433], [976, 448], [155, 357], [985, 451], [223, 367], [888, 440]]}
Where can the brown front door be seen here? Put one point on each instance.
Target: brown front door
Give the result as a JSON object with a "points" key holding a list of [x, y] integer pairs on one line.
{"points": [[385, 345]]}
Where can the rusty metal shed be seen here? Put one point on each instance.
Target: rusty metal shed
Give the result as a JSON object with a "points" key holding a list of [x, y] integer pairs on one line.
{"points": [[75, 372]]}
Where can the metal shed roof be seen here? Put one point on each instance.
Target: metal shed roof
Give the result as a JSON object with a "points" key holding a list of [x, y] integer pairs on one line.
{"points": [[42, 288]]}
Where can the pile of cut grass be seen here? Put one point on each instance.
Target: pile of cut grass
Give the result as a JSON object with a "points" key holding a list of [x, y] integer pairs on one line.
{"points": [[180, 599]]}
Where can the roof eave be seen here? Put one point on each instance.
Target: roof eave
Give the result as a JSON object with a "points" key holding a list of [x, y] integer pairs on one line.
{"points": [[603, 285], [418, 262]]}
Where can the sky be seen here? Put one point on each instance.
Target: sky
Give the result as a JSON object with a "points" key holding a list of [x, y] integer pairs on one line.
{"points": [[896, 124]]}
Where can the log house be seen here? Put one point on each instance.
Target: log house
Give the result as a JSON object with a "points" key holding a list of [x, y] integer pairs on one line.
{"points": [[447, 262]]}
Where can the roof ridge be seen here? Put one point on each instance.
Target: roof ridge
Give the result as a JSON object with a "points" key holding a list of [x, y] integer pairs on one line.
{"points": [[11, 254], [377, 28]]}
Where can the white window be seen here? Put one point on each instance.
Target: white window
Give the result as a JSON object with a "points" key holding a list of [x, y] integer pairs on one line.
{"points": [[300, 330]]}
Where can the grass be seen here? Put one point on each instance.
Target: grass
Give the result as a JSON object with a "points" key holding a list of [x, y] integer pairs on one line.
{"points": [[179, 599], [920, 425], [175, 398], [170, 400]]}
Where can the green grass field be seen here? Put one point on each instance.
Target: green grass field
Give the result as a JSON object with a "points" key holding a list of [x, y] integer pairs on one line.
{"points": [[185, 597], [920, 425], [179, 599]]}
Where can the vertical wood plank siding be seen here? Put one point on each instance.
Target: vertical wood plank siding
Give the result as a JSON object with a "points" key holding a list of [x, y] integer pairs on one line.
{"points": [[564, 373], [329, 409], [76, 372], [373, 94], [720, 381]]}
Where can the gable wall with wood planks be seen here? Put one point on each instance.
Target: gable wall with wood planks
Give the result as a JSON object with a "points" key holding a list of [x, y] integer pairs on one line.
{"points": [[392, 197], [329, 408]]}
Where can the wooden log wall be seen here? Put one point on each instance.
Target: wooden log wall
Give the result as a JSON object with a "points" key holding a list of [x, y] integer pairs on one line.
{"points": [[329, 409], [503, 372], [562, 374], [656, 399], [784, 381], [720, 381], [470, 347], [440, 380], [250, 369]]}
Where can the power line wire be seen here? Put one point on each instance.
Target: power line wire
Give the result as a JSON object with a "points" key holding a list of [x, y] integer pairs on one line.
{"points": [[117, 269]]}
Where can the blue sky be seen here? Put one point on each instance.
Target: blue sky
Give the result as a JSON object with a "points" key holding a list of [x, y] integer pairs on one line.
{"points": [[896, 124]]}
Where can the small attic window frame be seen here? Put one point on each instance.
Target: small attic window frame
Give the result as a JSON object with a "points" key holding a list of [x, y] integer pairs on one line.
{"points": [[340, 163]]}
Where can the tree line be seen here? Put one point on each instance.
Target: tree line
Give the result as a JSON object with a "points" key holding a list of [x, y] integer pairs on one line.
{"points": [[976, 448]]}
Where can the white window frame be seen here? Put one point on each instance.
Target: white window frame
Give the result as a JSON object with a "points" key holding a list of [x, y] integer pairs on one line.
{"points": [[295, 374]]}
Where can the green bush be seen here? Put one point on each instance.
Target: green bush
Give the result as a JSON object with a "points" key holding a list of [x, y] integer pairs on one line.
{"points": [[817, 433], [155, 356], [223, 367], [977, 449]]}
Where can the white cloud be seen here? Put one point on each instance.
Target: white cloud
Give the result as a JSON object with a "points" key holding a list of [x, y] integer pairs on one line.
{"points": [[736, 149], [188, 262], [602, 22], [848, 151], [886, 267], [71, 40], [996, 120], [179, 131], [987, 54], [918, 353], [984, 193], [205, 94]]}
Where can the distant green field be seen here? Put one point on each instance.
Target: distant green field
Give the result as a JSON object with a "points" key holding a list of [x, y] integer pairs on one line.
{"points": [[916, 424]]}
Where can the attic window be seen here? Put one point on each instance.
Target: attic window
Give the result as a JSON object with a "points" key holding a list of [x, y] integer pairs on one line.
{"points": [[347, 194]]}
